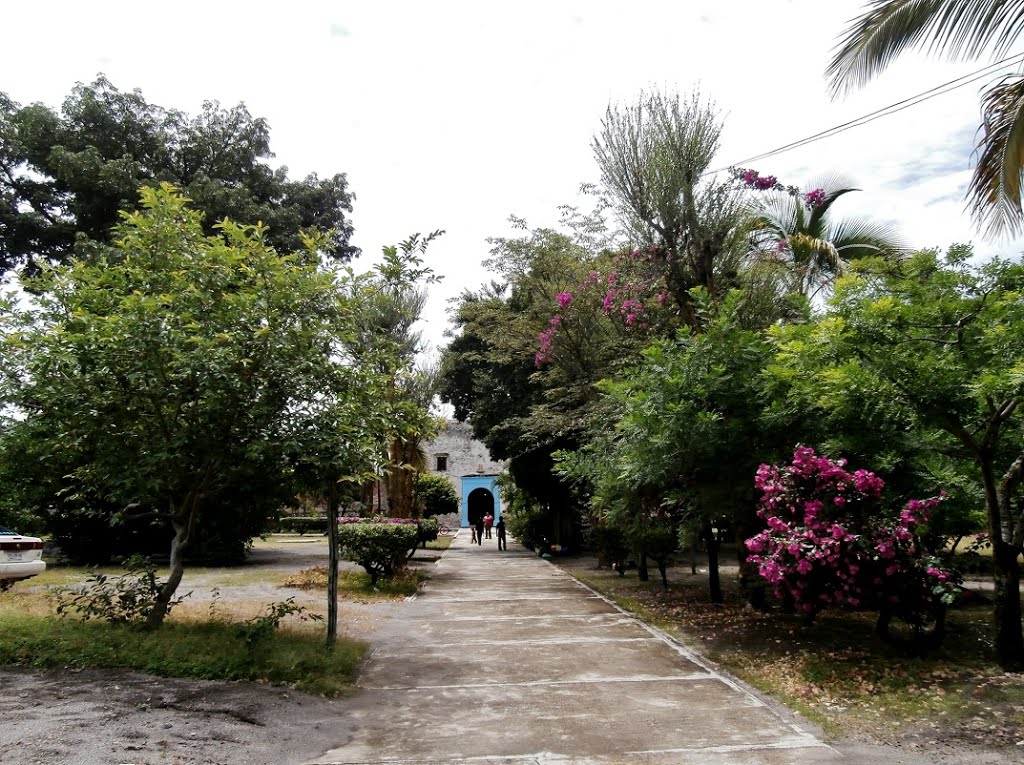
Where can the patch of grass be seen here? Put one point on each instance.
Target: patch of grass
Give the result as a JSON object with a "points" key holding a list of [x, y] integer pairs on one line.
{"points": [[441, 543], [210, 650], [836, 671], [356, 584], [62, 575]]}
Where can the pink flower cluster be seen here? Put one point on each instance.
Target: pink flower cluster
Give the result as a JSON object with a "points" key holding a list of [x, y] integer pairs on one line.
{"points": [[547, 341], [828, 542], [631, 295], [815, 198], [753, 180]]}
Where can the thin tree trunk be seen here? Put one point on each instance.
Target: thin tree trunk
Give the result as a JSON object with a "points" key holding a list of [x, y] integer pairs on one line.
{"points": [[1006, 570], [332, 563], [641, 568], [183, 525], [714, 578]]}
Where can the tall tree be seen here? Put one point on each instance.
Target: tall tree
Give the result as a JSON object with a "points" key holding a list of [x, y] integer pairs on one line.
{"points": [[65, 175], [962, 29], [935, 345], [653, 156], [682, 436], [524, 412], [390, 302], [174, 366]]}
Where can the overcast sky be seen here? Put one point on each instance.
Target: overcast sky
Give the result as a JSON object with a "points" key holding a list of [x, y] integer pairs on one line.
{"points": [[456, 115]]}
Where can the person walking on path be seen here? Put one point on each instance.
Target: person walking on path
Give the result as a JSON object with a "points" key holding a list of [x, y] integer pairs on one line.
{"points": [[500, 526], [479, 528], [472, 539], [488, 523]]}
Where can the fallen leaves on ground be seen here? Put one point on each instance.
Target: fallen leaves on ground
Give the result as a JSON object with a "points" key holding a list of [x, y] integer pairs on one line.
{"points": [[836, 669]]}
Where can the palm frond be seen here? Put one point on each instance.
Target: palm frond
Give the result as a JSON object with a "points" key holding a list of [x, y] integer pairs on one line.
{"points": [[821, 254], [860, 237], [995, 191], [961, 29]]}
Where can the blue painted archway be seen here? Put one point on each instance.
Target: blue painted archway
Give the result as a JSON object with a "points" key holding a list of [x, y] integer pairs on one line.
{"points": [[488, 483]]}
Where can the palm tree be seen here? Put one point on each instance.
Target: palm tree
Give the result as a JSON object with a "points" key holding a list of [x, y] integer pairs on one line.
{"points": [[963, 29], [809, 242]]}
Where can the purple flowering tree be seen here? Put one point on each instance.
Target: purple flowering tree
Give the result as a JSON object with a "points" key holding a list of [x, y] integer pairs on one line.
{"points": [[829, 541], [626, 294]]}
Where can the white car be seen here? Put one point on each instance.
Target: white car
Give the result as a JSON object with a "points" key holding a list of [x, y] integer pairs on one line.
{"points": [[20, 557]]}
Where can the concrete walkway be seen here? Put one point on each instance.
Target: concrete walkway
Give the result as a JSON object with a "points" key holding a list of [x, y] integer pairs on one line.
{"points": [[503, 658]]}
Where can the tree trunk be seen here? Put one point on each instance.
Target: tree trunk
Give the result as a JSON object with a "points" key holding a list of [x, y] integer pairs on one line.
{"points": [[1006, 570], [641, 568], [714, 578], [183, 525], [332, 563], [1009, 635]]}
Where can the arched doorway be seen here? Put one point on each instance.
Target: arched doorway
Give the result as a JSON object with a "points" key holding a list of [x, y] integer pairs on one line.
{"points": [[489, 498], [480, 502]]}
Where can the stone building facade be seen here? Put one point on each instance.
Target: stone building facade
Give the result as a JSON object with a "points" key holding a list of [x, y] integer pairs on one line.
{"points": [[464, 461]]}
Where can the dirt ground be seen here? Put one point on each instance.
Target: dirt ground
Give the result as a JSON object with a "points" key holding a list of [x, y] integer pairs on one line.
{"points": [[120, 717], [105, 717]]}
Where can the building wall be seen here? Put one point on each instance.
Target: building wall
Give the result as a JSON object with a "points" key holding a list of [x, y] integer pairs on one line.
{"points": [[466, 458]]}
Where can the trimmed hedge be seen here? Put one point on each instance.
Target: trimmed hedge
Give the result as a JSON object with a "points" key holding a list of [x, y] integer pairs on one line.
{"points": [[380, 547], [428, 528]]}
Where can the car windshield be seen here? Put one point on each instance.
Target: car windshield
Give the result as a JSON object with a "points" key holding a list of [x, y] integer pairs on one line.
{"points": [[8, 532]]}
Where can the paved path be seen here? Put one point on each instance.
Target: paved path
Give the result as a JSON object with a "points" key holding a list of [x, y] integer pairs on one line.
{"points": [[503, 658]]}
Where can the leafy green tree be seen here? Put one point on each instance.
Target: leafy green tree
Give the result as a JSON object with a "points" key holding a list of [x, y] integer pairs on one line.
{"points": [[935, 345], [176, 367], [683, 436], [390, 301], [65, 175], [435, 494], [489, 371], [962, 29]]}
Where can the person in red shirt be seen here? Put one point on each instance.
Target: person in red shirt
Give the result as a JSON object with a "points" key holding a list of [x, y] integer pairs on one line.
{"points": [[488, 523]]}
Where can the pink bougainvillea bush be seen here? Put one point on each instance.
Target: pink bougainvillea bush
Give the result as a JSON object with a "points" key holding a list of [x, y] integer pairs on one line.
{"points": [[829, 541]]}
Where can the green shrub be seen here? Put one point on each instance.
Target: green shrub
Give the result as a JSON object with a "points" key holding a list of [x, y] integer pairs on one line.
{"points": [[381, 548], [435, 494], [657, 541], [429, 528], [256, 632], [125, 599], [530, 525]]}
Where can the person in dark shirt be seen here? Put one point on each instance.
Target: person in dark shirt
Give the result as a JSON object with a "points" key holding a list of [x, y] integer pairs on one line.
{"points": [[480, 530], [502, 542]]}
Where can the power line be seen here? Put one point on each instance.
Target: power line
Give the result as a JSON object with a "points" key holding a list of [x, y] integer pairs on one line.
{"points": [[885, 111]]}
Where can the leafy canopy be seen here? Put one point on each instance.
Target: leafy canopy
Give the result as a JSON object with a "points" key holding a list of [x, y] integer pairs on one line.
{"points": [[65, 175]]}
